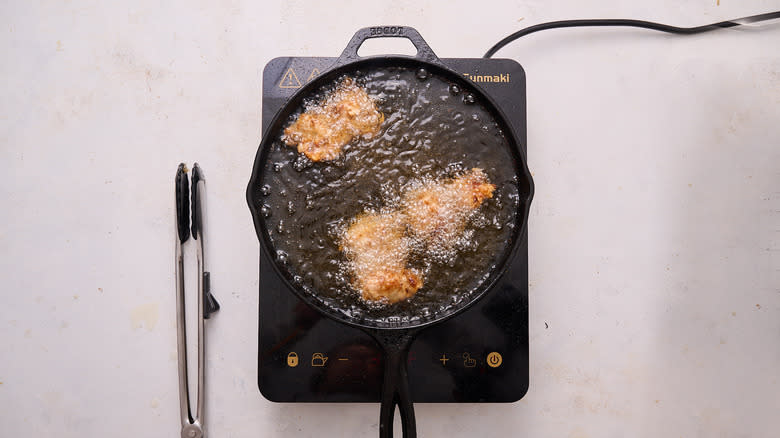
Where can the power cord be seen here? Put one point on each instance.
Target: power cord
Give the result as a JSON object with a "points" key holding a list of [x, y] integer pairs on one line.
{"points": [[630, 23]]}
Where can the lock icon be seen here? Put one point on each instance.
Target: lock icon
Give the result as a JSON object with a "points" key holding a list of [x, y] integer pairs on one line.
{"points": [[318, 360], [292, 360]]}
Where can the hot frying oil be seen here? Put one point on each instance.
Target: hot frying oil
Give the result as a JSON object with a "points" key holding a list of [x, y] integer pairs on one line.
{"points": [[430, 133]]}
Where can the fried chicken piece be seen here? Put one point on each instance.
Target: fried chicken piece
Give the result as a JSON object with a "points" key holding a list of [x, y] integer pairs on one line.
{"points": [[434, 213], [393, 285], [378, 251], [437, 212], [322, 130]]}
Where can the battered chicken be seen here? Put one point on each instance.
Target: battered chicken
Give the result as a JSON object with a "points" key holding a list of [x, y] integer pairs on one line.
{"points": [[378, 251], [436, 212], [322, 130]]}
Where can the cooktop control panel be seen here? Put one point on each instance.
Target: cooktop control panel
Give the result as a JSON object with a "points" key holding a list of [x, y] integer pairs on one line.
{"points": [[480, 355]]}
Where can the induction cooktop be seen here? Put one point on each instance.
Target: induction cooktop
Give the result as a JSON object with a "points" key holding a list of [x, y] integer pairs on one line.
{"points": [[480, 355]]}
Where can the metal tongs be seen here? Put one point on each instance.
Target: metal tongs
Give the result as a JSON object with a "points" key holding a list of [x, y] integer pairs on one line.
{"points": [[191, 427]]}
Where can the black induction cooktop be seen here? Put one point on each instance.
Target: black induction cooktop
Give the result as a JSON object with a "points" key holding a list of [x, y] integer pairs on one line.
{"points": [[480, 355]]}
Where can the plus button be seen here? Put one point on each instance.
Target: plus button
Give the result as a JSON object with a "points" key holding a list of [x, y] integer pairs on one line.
{"points": [[443, 359]]}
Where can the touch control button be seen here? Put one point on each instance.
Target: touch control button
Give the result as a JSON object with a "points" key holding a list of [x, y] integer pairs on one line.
{"points": [[494, 360]]}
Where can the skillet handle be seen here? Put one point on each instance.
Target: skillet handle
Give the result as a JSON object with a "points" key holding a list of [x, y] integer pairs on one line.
{"points": [[395, 388], [424, 51]]}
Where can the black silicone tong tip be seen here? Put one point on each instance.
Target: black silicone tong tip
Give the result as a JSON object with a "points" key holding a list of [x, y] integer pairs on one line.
{"points": [[197, 176], [182, 203]]}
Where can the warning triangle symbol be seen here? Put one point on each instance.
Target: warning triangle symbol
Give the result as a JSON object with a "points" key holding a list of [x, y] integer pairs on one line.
{"points": [[314, 74], [290, 80]]}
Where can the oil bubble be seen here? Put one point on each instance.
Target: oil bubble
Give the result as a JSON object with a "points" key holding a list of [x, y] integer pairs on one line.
{"points": [[454, 90], [458, 118], [301, 163], [265, 190], [265, 210], [469, 99], [422, 74], [454, 169]]}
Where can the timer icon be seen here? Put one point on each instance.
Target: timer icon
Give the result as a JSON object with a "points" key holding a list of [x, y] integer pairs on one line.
{"points": [[494, 360]]}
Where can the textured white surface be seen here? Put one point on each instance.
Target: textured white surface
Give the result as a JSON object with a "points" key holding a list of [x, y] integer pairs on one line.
{"points": [[654, 241]]}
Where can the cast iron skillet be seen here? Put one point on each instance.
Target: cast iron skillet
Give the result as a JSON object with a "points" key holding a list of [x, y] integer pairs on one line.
{"points": [[395, 337]]}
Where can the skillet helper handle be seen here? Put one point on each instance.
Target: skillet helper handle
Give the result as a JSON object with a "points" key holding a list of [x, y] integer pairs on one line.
{"points": [[424, 51], [395, 389]]}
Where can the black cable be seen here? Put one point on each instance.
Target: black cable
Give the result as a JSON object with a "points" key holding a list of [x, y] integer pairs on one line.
{"points": [[630, 23]]}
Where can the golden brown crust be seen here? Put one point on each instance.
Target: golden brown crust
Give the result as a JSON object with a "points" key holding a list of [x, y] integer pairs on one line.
{"points": [[437, 212], [390, 285], [378, 250], [323, 130]]}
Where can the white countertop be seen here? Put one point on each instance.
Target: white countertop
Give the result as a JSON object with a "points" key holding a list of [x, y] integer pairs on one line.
{"points": [[654, 234]]}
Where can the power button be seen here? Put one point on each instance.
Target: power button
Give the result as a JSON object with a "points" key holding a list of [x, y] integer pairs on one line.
{"points": [[494, 360]]}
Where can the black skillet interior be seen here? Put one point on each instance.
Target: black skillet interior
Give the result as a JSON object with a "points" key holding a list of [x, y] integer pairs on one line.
{"points": [[393, 331]]}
